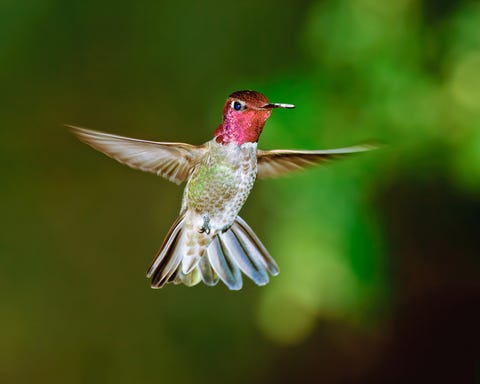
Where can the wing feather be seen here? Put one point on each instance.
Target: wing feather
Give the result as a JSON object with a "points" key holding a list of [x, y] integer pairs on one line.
{"points": [[170, 160], [280, 162]]}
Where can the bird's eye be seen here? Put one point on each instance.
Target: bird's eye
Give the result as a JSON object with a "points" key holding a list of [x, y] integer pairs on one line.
{"points": [[238, 105]]}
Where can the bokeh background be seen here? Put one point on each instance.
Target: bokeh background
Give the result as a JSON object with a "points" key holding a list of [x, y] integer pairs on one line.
{"points": [[379, 254]]}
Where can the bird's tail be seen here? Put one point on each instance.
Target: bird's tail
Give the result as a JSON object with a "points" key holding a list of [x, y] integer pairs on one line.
{"points": [[224, 258]]}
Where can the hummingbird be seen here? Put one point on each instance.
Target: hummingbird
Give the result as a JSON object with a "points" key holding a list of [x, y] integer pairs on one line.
{"points": [[209, 241]]}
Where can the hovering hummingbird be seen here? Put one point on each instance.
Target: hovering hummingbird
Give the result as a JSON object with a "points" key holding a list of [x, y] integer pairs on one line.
{"points": [[209, 241]]}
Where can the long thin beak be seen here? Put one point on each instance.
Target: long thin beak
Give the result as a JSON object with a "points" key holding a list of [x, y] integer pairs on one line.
{"points": [[278, 105]]}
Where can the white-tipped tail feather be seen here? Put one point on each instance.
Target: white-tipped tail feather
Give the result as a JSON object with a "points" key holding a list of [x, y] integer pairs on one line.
{"points": [[228, 255]]}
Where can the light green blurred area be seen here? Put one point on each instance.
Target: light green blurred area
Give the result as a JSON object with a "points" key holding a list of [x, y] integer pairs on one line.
{"points": [[78, 230]]}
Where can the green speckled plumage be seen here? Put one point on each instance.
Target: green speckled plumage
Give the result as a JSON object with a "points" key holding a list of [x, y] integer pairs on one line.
{"points": [[216, 191], [221, 180]]}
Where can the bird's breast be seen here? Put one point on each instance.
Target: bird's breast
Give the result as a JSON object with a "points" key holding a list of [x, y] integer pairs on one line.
{"points": [[220, 184]]}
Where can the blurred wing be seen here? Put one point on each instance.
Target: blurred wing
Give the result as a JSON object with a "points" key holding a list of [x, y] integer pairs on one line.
{"points": [[170, 160], [280, 162]]}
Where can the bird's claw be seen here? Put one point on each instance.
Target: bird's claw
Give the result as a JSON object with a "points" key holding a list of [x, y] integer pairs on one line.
{"points": [[205, 228]]}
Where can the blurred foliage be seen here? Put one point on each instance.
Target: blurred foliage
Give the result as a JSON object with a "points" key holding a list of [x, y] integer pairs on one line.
{"points": [[78, 229], [376, 70]]}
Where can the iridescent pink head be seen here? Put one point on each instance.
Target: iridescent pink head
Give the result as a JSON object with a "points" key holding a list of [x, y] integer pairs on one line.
{"points": [[244, 115]]}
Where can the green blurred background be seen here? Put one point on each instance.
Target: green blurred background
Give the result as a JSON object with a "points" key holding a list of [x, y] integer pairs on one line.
{"points": [[378, 254]]}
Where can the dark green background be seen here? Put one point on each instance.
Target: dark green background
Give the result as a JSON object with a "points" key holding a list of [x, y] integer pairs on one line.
{"points": [[378, 253]]}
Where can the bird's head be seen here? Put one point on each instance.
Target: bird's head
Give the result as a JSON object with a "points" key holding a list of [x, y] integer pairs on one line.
{"points": [[244, 115]]}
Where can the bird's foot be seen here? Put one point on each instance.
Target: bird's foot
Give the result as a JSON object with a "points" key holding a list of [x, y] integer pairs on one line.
{"points": [[205, 228]]}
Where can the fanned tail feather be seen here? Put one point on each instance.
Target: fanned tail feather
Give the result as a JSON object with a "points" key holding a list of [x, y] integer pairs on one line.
{"points": [[208, 275], [254, 246], [229, 254], [169, 256], [221, 262]]}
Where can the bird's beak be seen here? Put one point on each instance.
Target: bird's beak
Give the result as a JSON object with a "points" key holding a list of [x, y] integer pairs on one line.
{"points": [[278, 105]]}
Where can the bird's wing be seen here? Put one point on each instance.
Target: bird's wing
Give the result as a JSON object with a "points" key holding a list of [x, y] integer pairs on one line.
{"points": [[280, 162], [170, 160]]}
